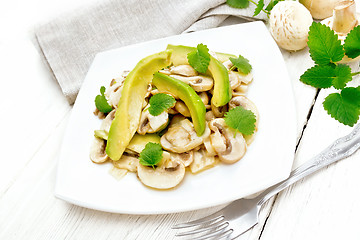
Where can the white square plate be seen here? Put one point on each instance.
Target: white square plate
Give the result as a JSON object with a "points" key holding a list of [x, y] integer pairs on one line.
{"points": [[268, 159]]}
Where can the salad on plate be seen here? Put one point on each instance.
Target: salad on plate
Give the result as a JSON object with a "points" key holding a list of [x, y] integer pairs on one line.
{"points": [[183, 109]]}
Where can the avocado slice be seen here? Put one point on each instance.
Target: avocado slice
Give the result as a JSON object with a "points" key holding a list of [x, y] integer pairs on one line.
{"points": [[222, 91], [127, 116], [138, 142], [183, 91]]}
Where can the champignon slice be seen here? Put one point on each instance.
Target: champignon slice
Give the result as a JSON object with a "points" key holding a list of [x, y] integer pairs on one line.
{"points": [[245, 103], [204, 97], [165, 175], [229, 146], [97, 151], [245, 78], [202, 161], [150, 123], [219, 111], [186, 158], [181, 136], [106, 123], [228, 64], [113, 93], [127, 162], [181, 108], [234, 78], [209, 115], [198, 83], [240, 90], [183, 70]]}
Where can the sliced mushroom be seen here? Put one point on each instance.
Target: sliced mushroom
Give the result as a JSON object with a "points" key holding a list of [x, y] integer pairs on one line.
{"points": [[113, 93], [183, 70], [234, 78], [181, 108], [245, 103], [106, 123], [210, 151], [240, 90], [229, 146], [181, 136], [128, 162], [165, 175], [186, 158], [209, 115], [198, 83], [202, 161], [150, 123], [219, 111], [204, 97], [228, 64], [97, 151], [245, 78]]}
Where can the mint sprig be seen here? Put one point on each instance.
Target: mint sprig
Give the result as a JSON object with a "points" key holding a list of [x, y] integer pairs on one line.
{"points": [[326, 51], [200, 58], [151, 155], [259, 5], [160, 102], [241, 120], [101, 103], [242, 64]]}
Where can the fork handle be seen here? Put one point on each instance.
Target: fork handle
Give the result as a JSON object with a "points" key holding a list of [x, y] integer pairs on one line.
{"points": [[340, 149]]}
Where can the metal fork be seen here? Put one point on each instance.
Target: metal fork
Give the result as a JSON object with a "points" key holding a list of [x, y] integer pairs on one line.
{"points": [[241, 215]]}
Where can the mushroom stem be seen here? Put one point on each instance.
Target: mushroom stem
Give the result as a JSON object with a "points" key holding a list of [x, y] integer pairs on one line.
{"points": [[344, 17]]}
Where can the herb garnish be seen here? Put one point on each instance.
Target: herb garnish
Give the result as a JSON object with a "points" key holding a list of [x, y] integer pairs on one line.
{"points": [[259, 5], [151, 155], [101, 103], [200, 58], [241, 119], [160, 102], [242, 64], [326, 51]]}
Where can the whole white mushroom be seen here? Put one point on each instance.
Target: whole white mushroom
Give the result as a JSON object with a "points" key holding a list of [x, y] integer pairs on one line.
{"points": [[320, 9], [289, 25]]}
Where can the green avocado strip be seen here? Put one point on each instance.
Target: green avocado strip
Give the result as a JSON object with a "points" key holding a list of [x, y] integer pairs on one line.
{"points": [[128, 114], [222, 90], [187, 94]]}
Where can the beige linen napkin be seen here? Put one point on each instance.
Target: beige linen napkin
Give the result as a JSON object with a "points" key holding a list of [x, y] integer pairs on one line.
{"points": [[70, 42]]}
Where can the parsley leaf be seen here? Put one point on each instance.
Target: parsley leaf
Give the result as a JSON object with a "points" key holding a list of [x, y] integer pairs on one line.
{"points": [[101, 102], [259, 7], [200, 58], [341, 107], [151, 154], [238, 3], [342, 76], [352, 43], [160, 102], [242, 64], [318, 76], [324, 45], [241, 119]]}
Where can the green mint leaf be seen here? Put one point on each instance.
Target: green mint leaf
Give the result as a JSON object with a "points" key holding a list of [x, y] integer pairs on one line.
{"points": [[101, 103], [342, 76], [151, 154], [242, 64], [200, 58], [338, 106], [259, 7], [271, 5], [241, 119], [352, 43], [160, 102], [351, 95], [238, 3], [319, 76], [324, 45]]}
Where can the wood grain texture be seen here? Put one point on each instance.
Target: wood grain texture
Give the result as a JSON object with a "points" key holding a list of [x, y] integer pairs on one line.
{"points": [[323, 205]]}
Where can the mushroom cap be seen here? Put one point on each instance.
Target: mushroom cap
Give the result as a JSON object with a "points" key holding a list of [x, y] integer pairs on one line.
{"points": [[320, 9], [166, 175], [97, 151], [183, 70], [229, 145], [289, 25], [181, 136]]}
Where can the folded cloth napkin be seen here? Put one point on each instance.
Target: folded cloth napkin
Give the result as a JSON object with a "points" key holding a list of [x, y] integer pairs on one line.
{"points": [[70, 42]]}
